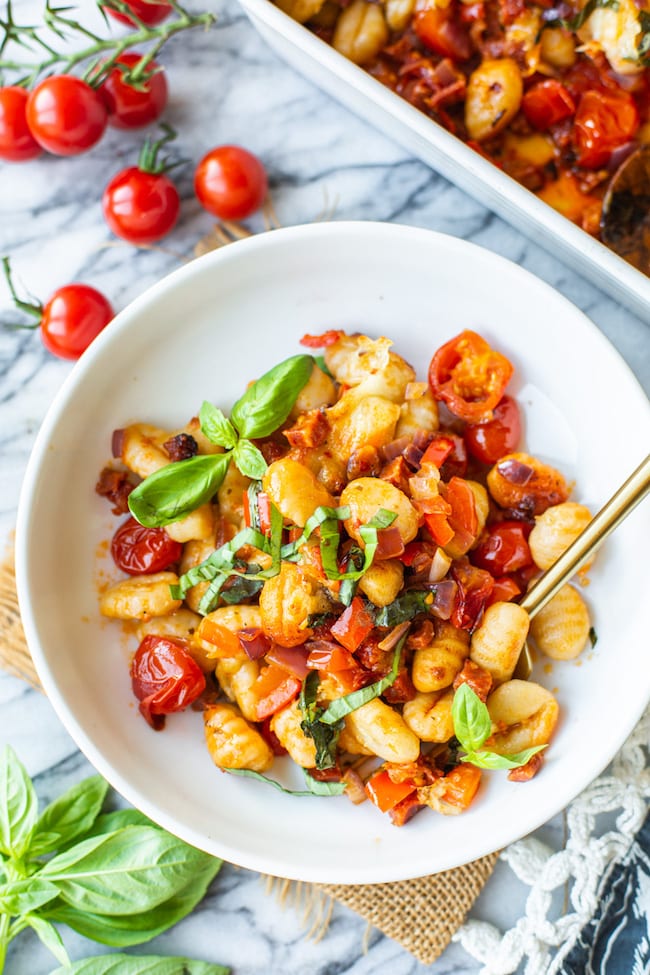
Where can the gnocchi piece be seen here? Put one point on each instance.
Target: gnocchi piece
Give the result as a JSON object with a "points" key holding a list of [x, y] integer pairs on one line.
{"points": [[287, 600], [141, 449], [558, 48], [398, 13], [494, 93], [217, 632], [525, 715], [232, 742], [349, 742], [181, 624], [384, 732], [435, 666], [193, 428], [286, 725], [429, 715], [616, 33], [140, 597], [498, 641], [368, 366], [521, 481], [295, 490], [356, 423], [360, 31], [555, 529], [383, 581], [198, 524], [366, 495], [231, 496], [319, 391], [194, 552], [561, 628], [236, 679], [418, 414], [300, 10]]}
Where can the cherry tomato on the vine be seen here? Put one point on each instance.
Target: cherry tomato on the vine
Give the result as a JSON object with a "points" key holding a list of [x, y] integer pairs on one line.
{"points": [[130, 107], [72, 318], [147, 11], [230, 182], [17, 144], [142, 551], [489, 441], [65, 115], [164, 678]]}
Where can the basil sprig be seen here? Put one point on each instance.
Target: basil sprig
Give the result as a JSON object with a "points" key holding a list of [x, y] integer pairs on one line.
{"points": [[324, 736], [473, 725], [181, 487], [115, 878], [315, 788]]}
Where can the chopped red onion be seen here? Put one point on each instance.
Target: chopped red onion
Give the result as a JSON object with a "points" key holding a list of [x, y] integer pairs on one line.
{"points": [[292, 659], [422, 439], [439, 566], [394, 636], [413, 456], [117, 443], [620, 154], [395, 448], [444, 599], [389, 543], [354, 789], [254, 642], [514, 471]]}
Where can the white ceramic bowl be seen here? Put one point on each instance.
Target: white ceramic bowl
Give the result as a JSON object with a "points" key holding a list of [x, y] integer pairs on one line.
{"points": [[203, 332]]}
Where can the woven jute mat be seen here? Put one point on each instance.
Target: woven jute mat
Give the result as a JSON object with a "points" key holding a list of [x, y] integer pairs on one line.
{"points": [[422, 914]]}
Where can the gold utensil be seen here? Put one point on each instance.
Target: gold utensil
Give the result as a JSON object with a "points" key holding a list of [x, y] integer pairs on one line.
{"points": [[628, 496]]}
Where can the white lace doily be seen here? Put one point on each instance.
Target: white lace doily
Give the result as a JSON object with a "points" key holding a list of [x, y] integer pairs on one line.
{"points": [[537, 941]]}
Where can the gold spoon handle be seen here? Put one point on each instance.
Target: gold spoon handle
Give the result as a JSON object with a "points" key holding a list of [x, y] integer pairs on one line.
{"points": [[608, 518]]}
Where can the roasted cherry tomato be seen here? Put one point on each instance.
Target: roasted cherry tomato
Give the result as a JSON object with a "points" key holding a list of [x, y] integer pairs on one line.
{"points": [[440, 31], [353, 625], [469, 376], [17, 144], [489, 441], [504, 549], [474, 589], [463, 519], [330, 337], [274, 689], [604, 121], [142, 551], [505, 589], [546, 103], [164, 678], [230, 182], [65, 115], [385, 793], [130, 107], [148, 11]]}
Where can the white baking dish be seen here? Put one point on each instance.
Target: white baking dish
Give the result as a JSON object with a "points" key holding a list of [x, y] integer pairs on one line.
{"points": [[449, 156]]}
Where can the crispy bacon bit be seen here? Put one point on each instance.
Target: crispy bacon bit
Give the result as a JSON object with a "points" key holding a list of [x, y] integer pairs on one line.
{"points": [[116, 487], [401, 690], [332, 774], [479, 680], [421, 635], [271, 449], [423, 771], [354, 789], [181, 447], [117, 443], [397, 473], [363, 462], [405, 810], [528, 771], [310, 431]]}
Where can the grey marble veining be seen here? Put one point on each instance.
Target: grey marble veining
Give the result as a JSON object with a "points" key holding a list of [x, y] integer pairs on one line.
{"points": [[227, 86]]}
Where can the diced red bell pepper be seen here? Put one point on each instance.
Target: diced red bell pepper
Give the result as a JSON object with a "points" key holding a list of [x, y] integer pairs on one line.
{"points": [[385, 793], [438, 451], [353, 625], [330, 337], [274, 689], [437, 521], [329, 656], [461, 785], [225, 642]]}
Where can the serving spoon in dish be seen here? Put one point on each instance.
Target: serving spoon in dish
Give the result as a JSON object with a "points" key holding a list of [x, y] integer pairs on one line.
{"points": [[622, 502], [625, 220]]}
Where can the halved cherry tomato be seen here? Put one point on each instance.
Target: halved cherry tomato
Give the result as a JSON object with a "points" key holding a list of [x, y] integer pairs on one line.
{"points": [[469, 376], [546, 103], [273, 689], [504, 549], [474, 589], [489, 441], [148, 11], [353, 625], [604, 121], [505, 590], [385, 793], [321, 341], [17, 144], [142, 551], [130, 107], [440, 31], [65, 115], [164, 678], [230, 182]]}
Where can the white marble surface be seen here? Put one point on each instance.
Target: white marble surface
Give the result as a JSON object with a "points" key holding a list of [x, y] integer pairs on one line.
{"points": [[227, 86]]}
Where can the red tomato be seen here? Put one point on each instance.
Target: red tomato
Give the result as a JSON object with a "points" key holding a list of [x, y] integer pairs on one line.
{"points": [[546, 103], [65, 115], [474, 589], [441, 32], [353, 625], [230, 182], [274, 689], [129, 107], [148, 11], [469, 376], [505, 589], [140, 207], [142, 551], [489, 441], [72, 318], [505, 549], [438, 451], [164, 678], [17, 144], [463, 519], [604, 121], [330, 337]]}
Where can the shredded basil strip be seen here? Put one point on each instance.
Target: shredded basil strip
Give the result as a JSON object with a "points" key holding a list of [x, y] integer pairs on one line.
{"points": [[343, 706], [220, 561], [320, 515], [575, 23], [381, 519], [318, 788], [324, 736], [249, 774], [643, 47], [405, 607]]}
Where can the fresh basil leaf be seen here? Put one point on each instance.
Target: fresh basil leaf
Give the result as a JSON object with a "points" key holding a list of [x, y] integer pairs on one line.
{"points": [[324, 736], [50, 937], [18, 805], [319, 517], [221, 561], [490, 760], [118, 819], [575, 23], [177, 489], [322, 365], [249, 459], [471, 718], [123, 931], [593, 636], [643, 44], [405, 607], [269, 401], [323, 788], [117, 964], [249, 774], [381, 519], [25, 896], [70, 816], [217, 427], [133, 869], [342, 706], [241, 589]]}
